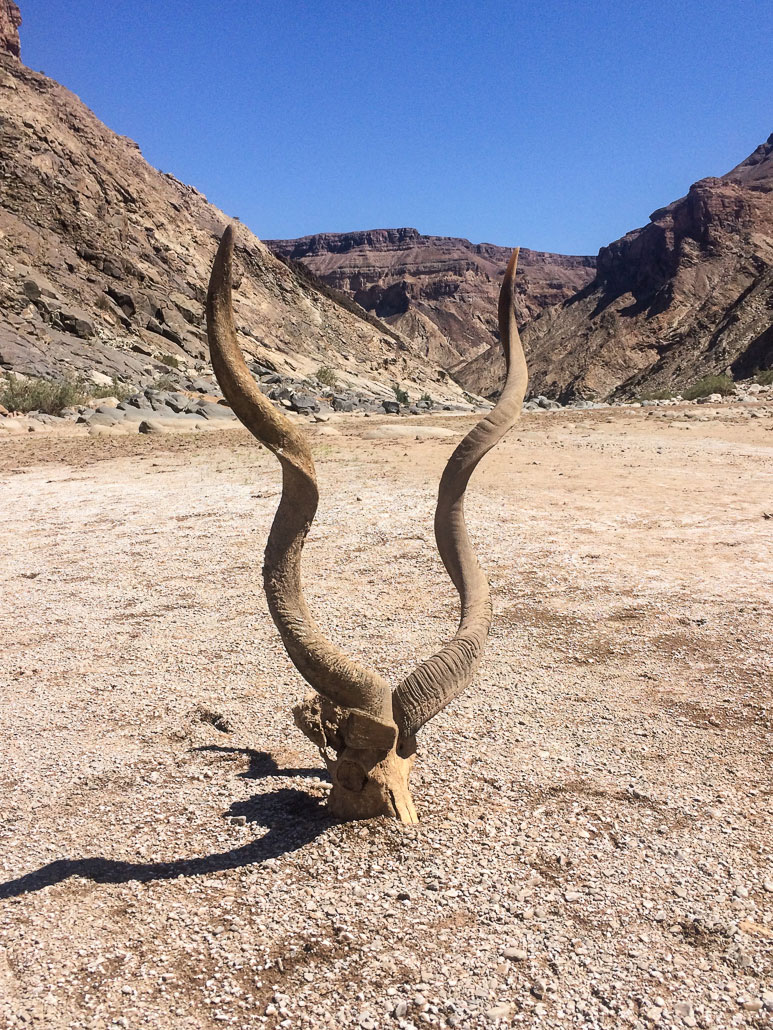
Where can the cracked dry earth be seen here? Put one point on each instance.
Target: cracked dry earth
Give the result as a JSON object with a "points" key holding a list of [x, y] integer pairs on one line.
{"points": [[595, 844]]}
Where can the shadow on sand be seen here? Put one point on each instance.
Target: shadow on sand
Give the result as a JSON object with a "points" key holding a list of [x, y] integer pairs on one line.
{"points": [[293, 818]]}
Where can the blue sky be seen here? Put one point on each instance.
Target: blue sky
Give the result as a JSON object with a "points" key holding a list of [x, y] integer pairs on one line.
{"points": [[557, 125]]}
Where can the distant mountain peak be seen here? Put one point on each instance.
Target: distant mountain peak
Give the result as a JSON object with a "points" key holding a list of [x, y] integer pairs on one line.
{"points": [[757, 170], [438, 291]]}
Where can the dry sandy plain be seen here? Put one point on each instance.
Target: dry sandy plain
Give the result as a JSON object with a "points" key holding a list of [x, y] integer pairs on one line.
{"points": [[595, 845]]}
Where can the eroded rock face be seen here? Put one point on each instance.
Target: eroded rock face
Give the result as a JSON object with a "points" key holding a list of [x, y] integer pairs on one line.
{"points": [[688, 295], [104, 265], [441, 293], [10, 20]]}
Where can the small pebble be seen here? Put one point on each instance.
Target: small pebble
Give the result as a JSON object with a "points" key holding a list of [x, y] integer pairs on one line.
{"points": [[753, 1005], [516, 954]]}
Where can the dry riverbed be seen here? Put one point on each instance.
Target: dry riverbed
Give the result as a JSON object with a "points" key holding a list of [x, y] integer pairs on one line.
{"points": [[595, 845]]}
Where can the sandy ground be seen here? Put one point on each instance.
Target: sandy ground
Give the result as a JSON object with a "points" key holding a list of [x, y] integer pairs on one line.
{"points": [[595, 845]]}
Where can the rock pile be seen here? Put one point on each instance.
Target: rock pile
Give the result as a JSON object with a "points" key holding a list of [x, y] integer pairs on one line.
{"points": [[183, 402], [180, 401]]}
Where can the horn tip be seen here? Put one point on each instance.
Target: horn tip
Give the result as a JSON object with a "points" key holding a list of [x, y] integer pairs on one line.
{"points": [[228, 237]]}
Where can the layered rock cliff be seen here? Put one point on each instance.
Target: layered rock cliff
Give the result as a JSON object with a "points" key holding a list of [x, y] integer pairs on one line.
{"points": [[104, 261], [10, 20], [441, 293], [688, 295]]}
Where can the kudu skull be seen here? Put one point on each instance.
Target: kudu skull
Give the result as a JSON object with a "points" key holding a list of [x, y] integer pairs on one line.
{"points": [[365, 731]]}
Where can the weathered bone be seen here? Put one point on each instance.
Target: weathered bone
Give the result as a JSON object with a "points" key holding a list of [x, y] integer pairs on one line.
{"points": [[441, 678], [366, 735]]}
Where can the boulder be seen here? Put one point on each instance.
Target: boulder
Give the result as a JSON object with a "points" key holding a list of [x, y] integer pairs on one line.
{"points": [[99, 378], [547, 403], [77, 323], [137, 400], [303, 403], [204, 386], [149, 425], [100, 418], [37, 289], [177, 401], [215, 411]]}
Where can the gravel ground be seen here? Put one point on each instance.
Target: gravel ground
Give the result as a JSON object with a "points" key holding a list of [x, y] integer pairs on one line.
{"points": [[595, 845]]}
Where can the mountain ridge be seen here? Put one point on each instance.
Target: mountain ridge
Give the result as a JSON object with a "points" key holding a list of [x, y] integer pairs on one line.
{"points": [[687, 295], [439, 291]]}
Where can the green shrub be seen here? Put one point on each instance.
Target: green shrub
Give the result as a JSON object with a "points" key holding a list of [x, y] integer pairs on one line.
{"points": [[47, 395], [170, 360], [711, 384], [765, 378], [327, 376], [426, 399], [657, 395], [401, 396]]}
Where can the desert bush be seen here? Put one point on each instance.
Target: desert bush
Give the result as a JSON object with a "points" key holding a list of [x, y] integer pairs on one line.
{"points": [[170, 360], [657, 395], [164, 384], [426, 399], [723, 385], [327, 376], [401, 395], [51, 396], [764, 378]]}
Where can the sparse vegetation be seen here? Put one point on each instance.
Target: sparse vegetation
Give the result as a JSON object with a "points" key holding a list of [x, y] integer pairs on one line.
{"points": [[170, 360], [723, 385], [164, 383], [52, 396], [46, 395], [327, 376], [401, 395], [764, 378], [657, 395], [426, 399]]}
